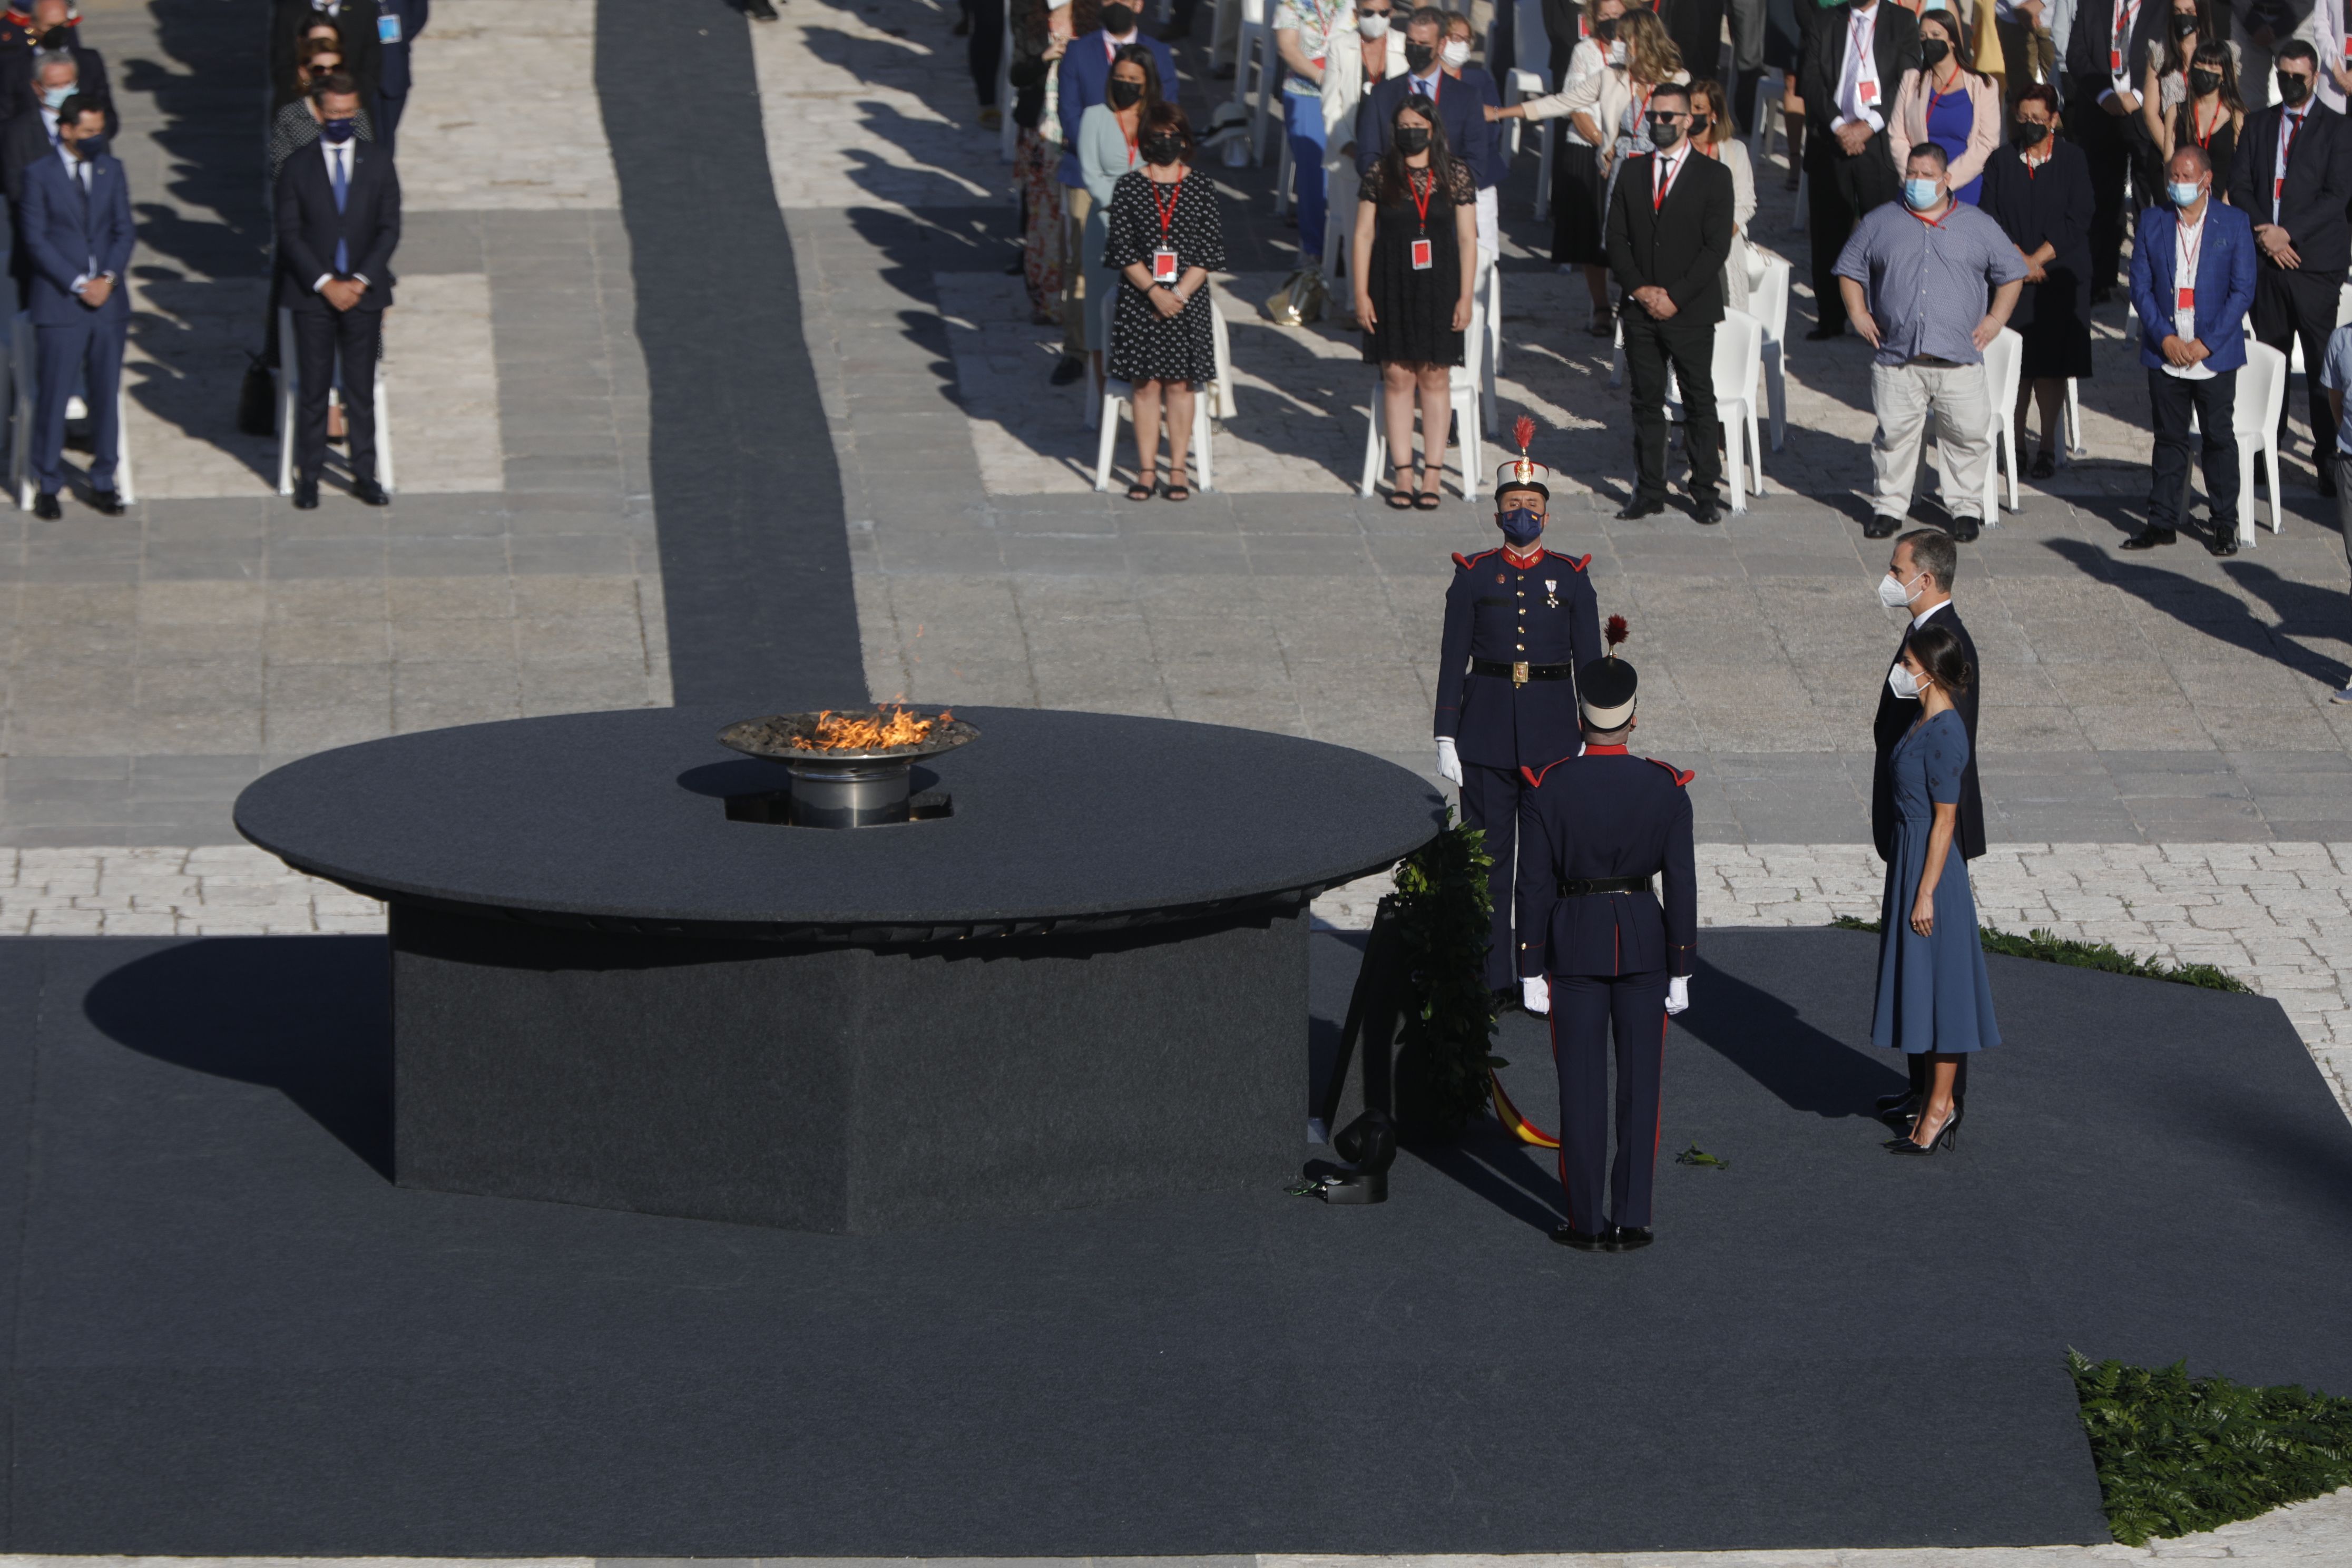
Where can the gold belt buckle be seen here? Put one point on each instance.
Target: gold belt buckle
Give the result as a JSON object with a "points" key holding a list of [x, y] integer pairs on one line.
{"points": [[1519, 673]]}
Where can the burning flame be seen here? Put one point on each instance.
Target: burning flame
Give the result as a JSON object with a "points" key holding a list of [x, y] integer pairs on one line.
{"points": [[881, 731]]}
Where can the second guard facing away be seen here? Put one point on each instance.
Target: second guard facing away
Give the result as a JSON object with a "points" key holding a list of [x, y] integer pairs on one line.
{"points": [[1519, 622], [1602, 954]]}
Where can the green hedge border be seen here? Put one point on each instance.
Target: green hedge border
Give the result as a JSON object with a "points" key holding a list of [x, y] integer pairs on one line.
{"points": [[2176, 1454], [2048, 947]]}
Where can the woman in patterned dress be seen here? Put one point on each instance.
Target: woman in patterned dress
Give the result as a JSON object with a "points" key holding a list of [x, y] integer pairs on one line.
{"points": [[1164, 240]]}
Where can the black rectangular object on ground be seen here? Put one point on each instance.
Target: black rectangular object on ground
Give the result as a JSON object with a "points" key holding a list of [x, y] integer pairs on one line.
{"points": [[842, 1088], [235, 1336]]}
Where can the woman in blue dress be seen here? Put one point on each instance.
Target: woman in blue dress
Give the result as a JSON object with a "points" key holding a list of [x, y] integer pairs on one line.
{"points": [[1950, 102], [1933, 994]]}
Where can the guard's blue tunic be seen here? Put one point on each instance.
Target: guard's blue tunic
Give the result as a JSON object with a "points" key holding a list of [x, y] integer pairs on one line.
{"points": [[1539, 610], [1600, 817]]}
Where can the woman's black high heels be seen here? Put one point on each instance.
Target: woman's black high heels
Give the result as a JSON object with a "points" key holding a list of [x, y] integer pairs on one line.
{"points": [[1946, 1137]]}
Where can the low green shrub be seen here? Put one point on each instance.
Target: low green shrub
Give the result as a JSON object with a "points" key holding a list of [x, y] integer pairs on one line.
{"points": [[2050, 948], [1446, 1014]]}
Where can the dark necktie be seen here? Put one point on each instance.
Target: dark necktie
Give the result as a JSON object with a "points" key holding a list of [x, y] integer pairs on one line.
{"points": [[343, 190]]}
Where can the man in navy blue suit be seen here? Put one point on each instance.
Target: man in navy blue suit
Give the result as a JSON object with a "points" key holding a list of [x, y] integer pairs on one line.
{"points": [[1518, 621], [1459, 108], [2192, 282], [397, 24], [1602, 954], [75, 229], [338, 223], [1083, 76]]}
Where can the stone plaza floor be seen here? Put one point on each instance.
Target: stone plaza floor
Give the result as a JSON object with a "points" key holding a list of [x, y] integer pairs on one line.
{"points": [[2162, 767]]}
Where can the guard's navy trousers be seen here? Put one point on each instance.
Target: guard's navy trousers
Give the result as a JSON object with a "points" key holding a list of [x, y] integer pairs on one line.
{"points": [[1587, 1010]]}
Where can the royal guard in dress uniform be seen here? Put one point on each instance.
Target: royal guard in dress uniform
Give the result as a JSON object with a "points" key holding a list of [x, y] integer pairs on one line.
{"points": [[1519, 620], [1601, 952]]}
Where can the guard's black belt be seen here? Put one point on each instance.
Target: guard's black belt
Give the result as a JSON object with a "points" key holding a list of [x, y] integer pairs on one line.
{"points": [[1521, 672], [1569, 889]]}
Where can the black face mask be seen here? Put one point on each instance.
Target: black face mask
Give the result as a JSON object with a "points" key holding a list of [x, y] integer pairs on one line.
{"points": [[1663, 132], [2203, 83], [1932, 52], [1162, 149], [1123, 94], [1605, 29], [2293, 89], [1413, 140], [2183, 25], [1698, 127], [1419, 57], [1118, 20], [2030, 136]]}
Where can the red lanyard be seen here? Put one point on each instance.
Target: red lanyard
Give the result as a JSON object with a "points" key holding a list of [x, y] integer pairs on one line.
{"points": [[1167, 209], [2189, 253], [2204, 133], [1130, 139], [1422, 192], [2293, 130], [1664, 179], [1935, 97], [1951, 206]]}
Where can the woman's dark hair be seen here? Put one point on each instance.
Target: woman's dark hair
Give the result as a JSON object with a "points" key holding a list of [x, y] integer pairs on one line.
{"points": [[1396, 186], [1166, 119], [1141, 54], [2214, 56], [2043, 93], [1938, 649], [312, 48], [1959, 37], [1718, 108], [338, 83]]}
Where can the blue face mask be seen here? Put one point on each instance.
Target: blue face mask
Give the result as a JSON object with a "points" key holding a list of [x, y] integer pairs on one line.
{"points": [[91, 146], [336, 130], [2184, 193], [1919, 195], [55, 97], [1520, 526]]}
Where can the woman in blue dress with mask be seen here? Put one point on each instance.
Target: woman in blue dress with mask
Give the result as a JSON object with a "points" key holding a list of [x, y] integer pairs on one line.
{"points": [[1933, 992]]}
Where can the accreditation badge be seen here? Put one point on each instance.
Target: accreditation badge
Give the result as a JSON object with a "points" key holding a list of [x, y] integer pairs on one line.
{"points": [[387, 29], [1163, 266], [1425, 256]]}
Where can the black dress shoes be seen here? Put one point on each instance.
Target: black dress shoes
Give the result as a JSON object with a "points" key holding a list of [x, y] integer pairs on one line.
{"points": [[1965, 530], [1706, 512], [46, 508], [106, 503], [2224, 540], [1068, 369], [1628, 1237], [371, 492], [2326, 481], [306, 495], [1823, 333], [1582, 1241], [2149, 538], [1638, 507], [1880, 526]]}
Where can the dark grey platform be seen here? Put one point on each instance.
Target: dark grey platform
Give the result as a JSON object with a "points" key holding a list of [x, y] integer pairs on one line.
{"points": [[227, 1333], [607, 992]]}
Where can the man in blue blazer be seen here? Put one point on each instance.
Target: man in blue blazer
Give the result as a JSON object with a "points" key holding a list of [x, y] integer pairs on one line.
{"points": [[2192, 282], [397, 24], [1084, 74], [1459, 108], [75, 227]]}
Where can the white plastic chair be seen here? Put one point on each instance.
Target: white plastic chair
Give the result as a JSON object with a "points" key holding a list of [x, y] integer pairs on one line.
{"points": [[2004, 360], [289, 392], [1738, 363], [1517, 87], [1491, 308], [2071, 444], [22, 359], [1255, 66], [2261, 398], [1214, 400], [1464, 383], [1768, 301]]}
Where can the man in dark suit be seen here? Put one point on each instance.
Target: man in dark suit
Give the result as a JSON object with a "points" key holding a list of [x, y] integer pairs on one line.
{"points": [[1919, 579], [1853, 63], [75, 229], [338, 223], [31, 132], [52, 28], [2103, 75], [1459, 109], [2292, 176], [356, 22], [1669, 231], [398, 23], [1084, 77]]}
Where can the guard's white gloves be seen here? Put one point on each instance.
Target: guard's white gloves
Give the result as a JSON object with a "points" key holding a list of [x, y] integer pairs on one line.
{"points": [[1534, 994], [1677, 994], [1449, 761]]}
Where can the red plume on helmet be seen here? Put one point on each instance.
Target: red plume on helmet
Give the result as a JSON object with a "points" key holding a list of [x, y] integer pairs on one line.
{"points": [[1613, 634], [1523, 433]]}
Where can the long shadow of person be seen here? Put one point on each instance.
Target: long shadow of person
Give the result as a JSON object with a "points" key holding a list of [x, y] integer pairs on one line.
{"points": [[306, 1016], [2223, 617], [1764, 1036], [2304, 610]]}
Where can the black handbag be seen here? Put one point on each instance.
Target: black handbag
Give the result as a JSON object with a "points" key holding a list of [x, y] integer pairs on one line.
{"points": [[257, 399]]}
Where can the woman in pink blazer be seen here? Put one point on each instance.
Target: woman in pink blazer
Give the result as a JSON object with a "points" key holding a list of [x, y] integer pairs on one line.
{"points": [[1948, 102]]}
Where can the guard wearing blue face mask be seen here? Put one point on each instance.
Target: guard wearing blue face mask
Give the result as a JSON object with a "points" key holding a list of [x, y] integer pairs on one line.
{"points": [[1520, 620]]}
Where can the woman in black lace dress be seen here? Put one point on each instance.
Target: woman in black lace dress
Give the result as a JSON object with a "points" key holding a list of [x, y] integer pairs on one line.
{"points": [[1415, 260]]}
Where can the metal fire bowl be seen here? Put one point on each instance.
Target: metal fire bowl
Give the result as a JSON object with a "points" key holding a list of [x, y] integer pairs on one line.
{"points": [[773, 738]]}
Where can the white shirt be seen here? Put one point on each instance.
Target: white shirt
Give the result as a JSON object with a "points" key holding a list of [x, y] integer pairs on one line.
{"points": [[2290, 125], [2123, 20], [338, 155], [1861, 66], [1663, 168], [1427, 86], [49, 124], [2187, 241], [79, 173], [1921, 618]]}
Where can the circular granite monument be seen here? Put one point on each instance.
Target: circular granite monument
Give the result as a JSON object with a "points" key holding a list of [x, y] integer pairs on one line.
{"points": [[621, 977]]}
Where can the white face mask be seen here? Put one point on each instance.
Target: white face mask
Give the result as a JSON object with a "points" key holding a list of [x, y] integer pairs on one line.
{"points": [[1373, 26], [1456, 53], [1894, 595], [1617, 52], [1903, 683]]}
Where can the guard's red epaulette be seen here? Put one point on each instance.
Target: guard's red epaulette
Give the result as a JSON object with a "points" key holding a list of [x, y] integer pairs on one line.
{"points": [[1575, 562], [1681, 778], [1535, 776], [1467, 562]]}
